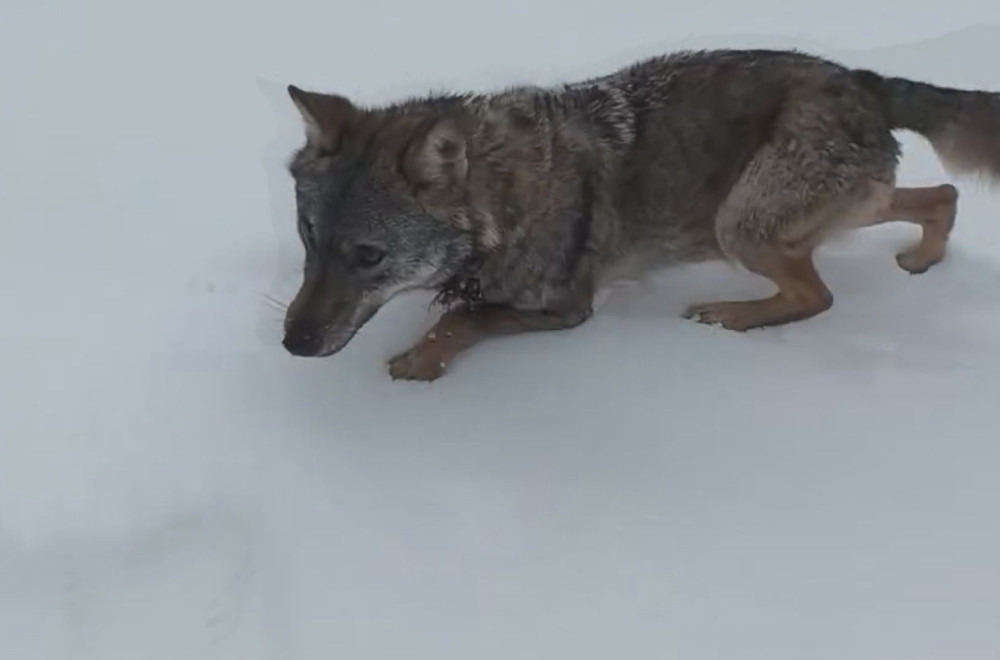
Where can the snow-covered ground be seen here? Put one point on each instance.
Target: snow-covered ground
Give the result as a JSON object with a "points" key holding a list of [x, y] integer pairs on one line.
{"points": [[174, 486]]}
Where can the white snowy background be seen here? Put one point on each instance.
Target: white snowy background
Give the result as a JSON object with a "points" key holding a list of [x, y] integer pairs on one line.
{"points": [[174, 486]]}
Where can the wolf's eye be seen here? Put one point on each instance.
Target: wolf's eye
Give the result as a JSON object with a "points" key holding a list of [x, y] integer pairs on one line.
{"points": [[368, 256]]}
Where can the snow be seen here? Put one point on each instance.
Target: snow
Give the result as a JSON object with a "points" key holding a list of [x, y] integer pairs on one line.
{"points": [[173, 485]]}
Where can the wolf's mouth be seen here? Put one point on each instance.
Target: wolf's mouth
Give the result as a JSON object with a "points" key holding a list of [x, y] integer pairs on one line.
{"points": [[335, 344], [335, 338]]}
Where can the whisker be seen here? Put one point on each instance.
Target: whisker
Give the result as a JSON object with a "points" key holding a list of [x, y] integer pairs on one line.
{"points": [[275, 303]]}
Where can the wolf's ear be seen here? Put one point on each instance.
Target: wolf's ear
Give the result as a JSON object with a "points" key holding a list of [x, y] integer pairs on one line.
{"points": [[439, 157], [325, 115]]}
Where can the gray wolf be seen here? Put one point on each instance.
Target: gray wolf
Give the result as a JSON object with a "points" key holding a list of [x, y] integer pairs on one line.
{"points": [[516, 206]]}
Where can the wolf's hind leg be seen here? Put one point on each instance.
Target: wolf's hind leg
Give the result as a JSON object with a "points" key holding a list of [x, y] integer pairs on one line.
{"points": [[795, 193], [801, 294], [934, 209], [778, 243]]}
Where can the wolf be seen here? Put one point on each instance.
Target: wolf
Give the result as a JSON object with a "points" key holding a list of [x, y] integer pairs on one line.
{"points": [[516, 206]]}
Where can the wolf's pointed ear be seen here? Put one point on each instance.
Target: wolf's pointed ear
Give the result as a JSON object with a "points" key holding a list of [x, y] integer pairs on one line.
{"points": [[325, 115], [440, 157]]}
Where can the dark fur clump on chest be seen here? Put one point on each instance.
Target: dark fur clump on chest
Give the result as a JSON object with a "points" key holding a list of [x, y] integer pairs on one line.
{"points": [[463, 288]]}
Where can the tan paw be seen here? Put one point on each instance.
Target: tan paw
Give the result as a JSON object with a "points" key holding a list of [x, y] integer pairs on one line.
{"points": [[917, 261], [419, 363], [730, 315]]}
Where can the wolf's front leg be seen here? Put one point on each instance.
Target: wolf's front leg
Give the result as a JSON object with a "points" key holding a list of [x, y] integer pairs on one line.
{"points": [[462, 327]]}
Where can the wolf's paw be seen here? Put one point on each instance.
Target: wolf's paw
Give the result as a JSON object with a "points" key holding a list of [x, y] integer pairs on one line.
{"points": [[916, 260], [736, 316], [422, 362]]}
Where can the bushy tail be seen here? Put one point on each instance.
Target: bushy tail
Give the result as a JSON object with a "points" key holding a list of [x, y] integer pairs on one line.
{"points": [[962, 126]]}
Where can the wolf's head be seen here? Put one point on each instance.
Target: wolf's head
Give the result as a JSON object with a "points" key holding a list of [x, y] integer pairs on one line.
{"points": [[379, 195]]}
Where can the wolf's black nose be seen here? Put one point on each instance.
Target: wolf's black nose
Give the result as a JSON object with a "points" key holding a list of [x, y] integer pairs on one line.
{"points": [[302, 343]]}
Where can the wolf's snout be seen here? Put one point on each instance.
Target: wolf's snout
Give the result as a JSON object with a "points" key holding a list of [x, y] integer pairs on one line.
{"points": [[302, 342]]}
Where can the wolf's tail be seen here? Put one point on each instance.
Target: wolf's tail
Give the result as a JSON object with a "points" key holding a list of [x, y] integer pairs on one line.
{"points": [[962, 126]]}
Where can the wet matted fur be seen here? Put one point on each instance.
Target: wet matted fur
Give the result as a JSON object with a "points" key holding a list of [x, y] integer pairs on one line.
{"points": [[516, 206]]}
